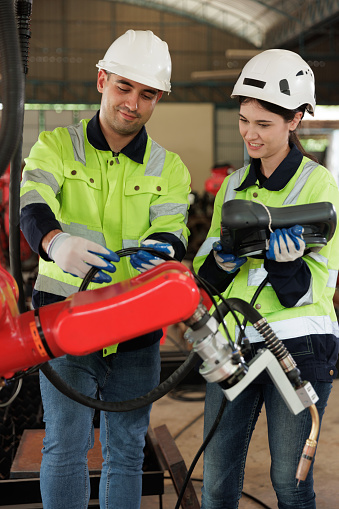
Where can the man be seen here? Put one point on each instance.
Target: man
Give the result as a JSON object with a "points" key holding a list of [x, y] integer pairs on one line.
{"points": [[89, 190]]}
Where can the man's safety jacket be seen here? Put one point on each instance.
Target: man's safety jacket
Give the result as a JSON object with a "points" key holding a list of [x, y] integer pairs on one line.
{"points": [[313, 313], [109, 199]]}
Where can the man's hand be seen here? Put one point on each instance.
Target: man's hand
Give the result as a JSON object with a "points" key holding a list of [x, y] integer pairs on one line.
{"points": [[286, 245], [76, 255], [143, 260], [227, 262]]}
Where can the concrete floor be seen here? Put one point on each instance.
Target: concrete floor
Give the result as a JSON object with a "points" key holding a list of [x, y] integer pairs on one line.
{"points": [[184, 419]]}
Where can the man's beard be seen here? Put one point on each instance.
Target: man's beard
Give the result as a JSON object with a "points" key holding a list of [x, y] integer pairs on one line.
{"points": [[126, 128]]}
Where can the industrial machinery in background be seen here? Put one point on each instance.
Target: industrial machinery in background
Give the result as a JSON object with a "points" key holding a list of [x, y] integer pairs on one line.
{"points": [[29, 259], [218, 174]]}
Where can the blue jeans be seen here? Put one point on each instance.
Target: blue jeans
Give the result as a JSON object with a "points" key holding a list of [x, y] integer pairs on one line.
{"points": [[225, 455], [64, 477]]}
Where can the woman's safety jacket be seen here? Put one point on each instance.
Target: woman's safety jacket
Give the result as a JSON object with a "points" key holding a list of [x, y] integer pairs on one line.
{"points": [[313, 314]]}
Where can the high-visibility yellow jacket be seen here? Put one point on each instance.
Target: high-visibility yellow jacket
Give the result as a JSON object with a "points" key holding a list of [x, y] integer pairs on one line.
{"points": [[111, 200], [313, 314]]}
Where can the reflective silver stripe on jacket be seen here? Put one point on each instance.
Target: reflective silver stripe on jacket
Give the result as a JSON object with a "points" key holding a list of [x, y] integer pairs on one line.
{"points": [[129, 243], [332, 278], [41, 176], [301, 180], [295, 327], [257, 276], [81, 230], [154, 168], [234, 182], [206, 246], [31, 197], [178, 233], [156, 161], [307, 298], [76, 133], [318, 258], [168, 209], [332, 273], [50, 285]]}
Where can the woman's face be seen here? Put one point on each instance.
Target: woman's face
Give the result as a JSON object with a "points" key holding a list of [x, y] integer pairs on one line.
{"points": [[264, 133]]}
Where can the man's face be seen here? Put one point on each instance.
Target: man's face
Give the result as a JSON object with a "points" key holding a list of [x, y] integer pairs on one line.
{"points": [[125, 105]]}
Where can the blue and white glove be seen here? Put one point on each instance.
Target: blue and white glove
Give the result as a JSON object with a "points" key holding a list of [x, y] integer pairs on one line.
{"points": [[143, 260], [76, 255], [286, 245], [227, 262]]}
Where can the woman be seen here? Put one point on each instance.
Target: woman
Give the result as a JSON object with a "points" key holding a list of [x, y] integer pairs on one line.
{"points": [[274, 90]]}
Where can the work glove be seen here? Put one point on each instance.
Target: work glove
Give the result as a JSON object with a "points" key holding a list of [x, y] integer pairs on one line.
{"points": [[227, 262], [143, 260], [76, 255], [286, 245]]}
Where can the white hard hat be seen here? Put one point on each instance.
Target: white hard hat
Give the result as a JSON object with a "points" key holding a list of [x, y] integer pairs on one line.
{"points": [[140, 56], [278, 76]]}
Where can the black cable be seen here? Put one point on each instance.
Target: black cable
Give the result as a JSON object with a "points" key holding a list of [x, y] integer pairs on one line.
{"points": [[13, 85], [122, 406], [15, 391], [23, 13], [211, 290], [200, 451], [21, 374], [122, 252], [254, 298], [207, 287]]}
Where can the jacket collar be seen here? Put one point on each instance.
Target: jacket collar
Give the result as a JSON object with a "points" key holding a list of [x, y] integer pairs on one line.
{"points": [[135, 149], [279, 178]]}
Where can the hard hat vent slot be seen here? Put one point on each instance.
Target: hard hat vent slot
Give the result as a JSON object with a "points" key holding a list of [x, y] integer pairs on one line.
{"points": [[254, 83], [284, 87], [300, 73]]}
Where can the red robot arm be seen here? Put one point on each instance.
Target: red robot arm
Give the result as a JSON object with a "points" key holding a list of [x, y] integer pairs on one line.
{"points": [[88, 321]]}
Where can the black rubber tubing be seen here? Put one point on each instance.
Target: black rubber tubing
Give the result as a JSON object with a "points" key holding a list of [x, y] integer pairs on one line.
{"points": [[121, 406]]}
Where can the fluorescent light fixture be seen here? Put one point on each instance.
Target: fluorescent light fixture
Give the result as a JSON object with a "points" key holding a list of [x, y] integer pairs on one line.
{"points": [[241, 53], [215, 75]]}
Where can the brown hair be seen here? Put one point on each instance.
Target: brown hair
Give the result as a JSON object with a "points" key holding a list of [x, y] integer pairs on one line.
{"points": [[287, 115]]}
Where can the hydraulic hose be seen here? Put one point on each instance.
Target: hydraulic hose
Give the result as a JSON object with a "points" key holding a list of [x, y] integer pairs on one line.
{"points": [[122, 406], [12, 84], [23, 13]]}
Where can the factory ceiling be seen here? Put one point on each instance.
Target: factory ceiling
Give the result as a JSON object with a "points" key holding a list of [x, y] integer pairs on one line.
{"points": [[209, 41], [263, 23]]}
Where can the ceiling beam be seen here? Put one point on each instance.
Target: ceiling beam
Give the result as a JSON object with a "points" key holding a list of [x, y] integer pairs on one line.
{"points": [[307, 16]]}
